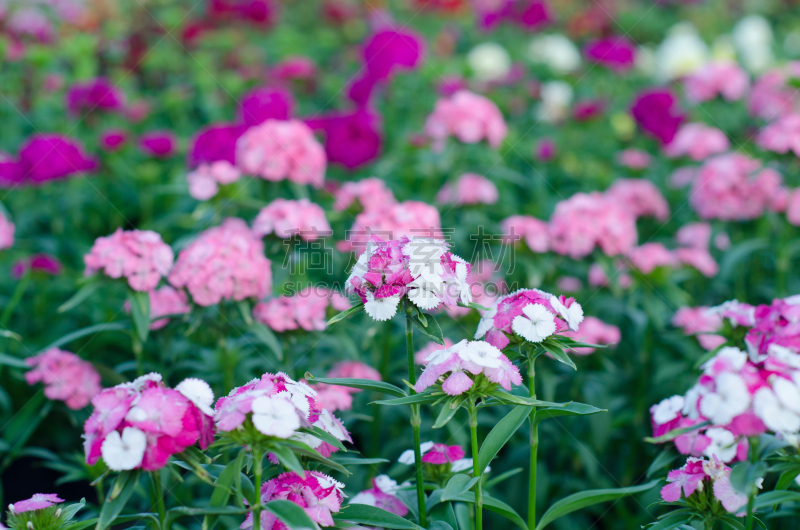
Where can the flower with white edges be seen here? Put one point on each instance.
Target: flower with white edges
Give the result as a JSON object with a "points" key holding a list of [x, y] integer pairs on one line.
{"points": [[779, 407], [572, 314], [536, 325], [198, 392], [423, 293], [723, 444], [668, 409], [730, 399], [481, 353], [439, 356], [275, 416], [124, 452], [424, 258], [381, 309]]}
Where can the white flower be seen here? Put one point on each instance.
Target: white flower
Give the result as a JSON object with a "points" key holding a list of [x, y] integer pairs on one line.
{"points": [[486, 323], [572, 314], [364, 497], [681, 53], [424, 257], [138, 383], [779, 408], [123, 453], [299, 387], [381, 309], [723, 444], [752, 31], [460, 282], [297, 399], [327, 423], [309, 439], [731, 358], [557, 51], [489, 62], [440, 356], [465, 464], [481, 353], [690, 408], [539, 324], [407, 457], [275, 416], [784, 355], [730, 399], [423, 294], [556, 98], [198, 392], [386, 484], [668, 409]]}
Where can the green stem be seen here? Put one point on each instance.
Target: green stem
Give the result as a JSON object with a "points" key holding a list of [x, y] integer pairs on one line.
{"points": [[22, 285], [476, 466], [228, 367], [158, 493], [749, 521], [256, 503], [138, 352], [534, 445], [416, 421]]}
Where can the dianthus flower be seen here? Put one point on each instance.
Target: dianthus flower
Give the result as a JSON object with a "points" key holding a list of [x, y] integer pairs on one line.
{"points": [[772, 96], [467, 116], [282, 150], [214, 143], [733, 187], [316, 493], [530, 314], [703, 323], [262, 104], [421, 357], [287, 218], [584, 221], [7, 230], [305, 310], [394, 221], [165, 301], [485, 285], [224, 262], [382, 495], [45, 263], [443, 454], [792, 208], [466, 363], [158, 144], [66, 377], [593, 331], [420, 268], [370, 193], [694, 235], [617, 53], [648, 257], [470, 188], [656, 112], [726, 79], [699, 474], [139, 425], [95, 94], [634, 158], [138, 255], [205, 180], [46, 157], [782, 135], [39, 501], [353, 138], [640, 197], [533, 231], [698, 141], [113, 139]]}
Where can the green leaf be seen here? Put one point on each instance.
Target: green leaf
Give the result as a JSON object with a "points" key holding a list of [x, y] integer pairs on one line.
{"points": [[559, 354], [345, 314], [670, 522], [268, 338], [23, 425], [304, 450], [222, 487], [497, 506], [117, 498], [664, 459], [287, 458], [439, 525], [355, 461], [372, 516], [14, 362], [578, 501], [776, 497], [457, 485], [501, 477], [674, 433], [448, 411], [291, 514], [786, 478], [510, 399], [362, 384], [82, 294], [423, 398], [745, 474], [97, 328], [324, 436], [140, 313], [430, 329], [570, 409], [501, 434]]}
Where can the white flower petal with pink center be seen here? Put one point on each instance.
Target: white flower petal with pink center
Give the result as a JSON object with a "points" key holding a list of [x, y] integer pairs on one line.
{"points": [[481, 353], [668, 409], [275, 416], [381, 309], [423, 294], [539, 324], [298, 400], [198, 392], [124, 452], [572, 314], [730, 399]]}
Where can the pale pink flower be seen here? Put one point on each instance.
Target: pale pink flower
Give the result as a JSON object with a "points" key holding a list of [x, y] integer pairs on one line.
{"points": [[205, 180], [569, 284], [694, 235], [277, 150], [287, 218], [726, 79], [593, 331], [7, 229], [598, 277], [467, 116], [458, 365], [394, 221], [534, 231], [305, 310], [66, 377], [782, 135], [702, 322], [634, 158], [683, 176], [371, 193], [686, 479], [470, 188], [138, 255], [648, 257], [698, 141], [333, 397], [772, 96], [166, 301], [224, 262], [640, 197], [39, 501], [726, 494], [793, 207], [699, 258]]}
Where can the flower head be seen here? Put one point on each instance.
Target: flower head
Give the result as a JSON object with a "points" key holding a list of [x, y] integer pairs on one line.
{"points": [[138, 255], [66, 376]]}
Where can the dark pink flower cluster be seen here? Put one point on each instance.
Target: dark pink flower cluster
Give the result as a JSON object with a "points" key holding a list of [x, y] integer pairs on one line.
{"points": [[45, 157], [782, 135], [528, 14], [97, 94], [265, 103], [656, 112], [617, 53], [467, 116], [139, 425], [138, 255], [66, 377], [224, 262], [45, 263], [304, 310], [352, 138]]}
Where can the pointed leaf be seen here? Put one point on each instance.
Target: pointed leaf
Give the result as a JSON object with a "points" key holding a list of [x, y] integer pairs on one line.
{"points": [[570, 409], [362, 384], [559, 354], [291, 514], [497, 506], [345, 314], [140, 313], [447, 413], [14, 362], [372, 516], [267, 338], [458, 484], [416, 399], [76, 299], [776, 497], [430, 329], [117, 498], [501, 434], [97, 328]]}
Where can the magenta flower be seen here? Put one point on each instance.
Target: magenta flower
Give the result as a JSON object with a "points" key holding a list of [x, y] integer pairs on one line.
{"points": [[656, 112], [39, 501], [113, 139], [159, 144], [66, 377], [261, 104], [214, 143], [588, 109], [138, 255], [46, 157], [443, 454], [545, 150], [263, 13], [45, 263], [529, 14], [352, 139], [97, 94], [617, 53]]}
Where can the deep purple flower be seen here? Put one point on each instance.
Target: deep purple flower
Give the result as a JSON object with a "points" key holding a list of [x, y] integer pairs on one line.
{"points": [[160, 144], [534, 14], [96, 94], [38, 262], [10, 171], [587, 109], [215, 142], [260, 12], [657, 113], [113, 139], [545, 150], [47, 157], [617, 53], [530, 14], [261, 104], [351, 139]]}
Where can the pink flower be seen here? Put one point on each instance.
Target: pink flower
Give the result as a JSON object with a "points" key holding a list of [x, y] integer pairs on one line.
{"points": [[534, 231], [333, 397], [304, 310], [224, 262], [726, 79], [584, 221], [158, 144], [640, 197], [733, 187], [113, 139], [261, 104], [165, 301], [262, 13], [204, 181], [593, 331], [467, 116], [66, 377], [695, 320], [296, 68], [648, 257], [545, 150], [772, 96], [353, 138], [657, 114], [470, 188], [371, 193], [725, 493], [782, 135], [686, 479], [421, 357], [277, 150], [97, 94], [382, 495], [443, 454], [588, 109], [697, 141], [46, 157], [319, 495], [617, 53], [7, 230], [694, 235], [138, 255], [353, 370], [394, 221], [700, 259], [287, 218], [792, 208], [214, 143], [634, 158], [531, 15], [39, 501]]}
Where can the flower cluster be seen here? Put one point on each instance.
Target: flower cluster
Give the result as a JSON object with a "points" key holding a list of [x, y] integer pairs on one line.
{"points": [[457, 363], [66, 377], [224, 262], [696, 476], [656, 112], [420, 268], [96, 94], [448, 457], [277, 150], [698, 141], [382, 495], [530, 314], [304, 310], [392, 221], [205, 180], [141, 424], [470, 188], [46, 157], [287, 218], [726, 79], [138, 255], [318, 494], [371, 193], [467, 116], [782, 135]]}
